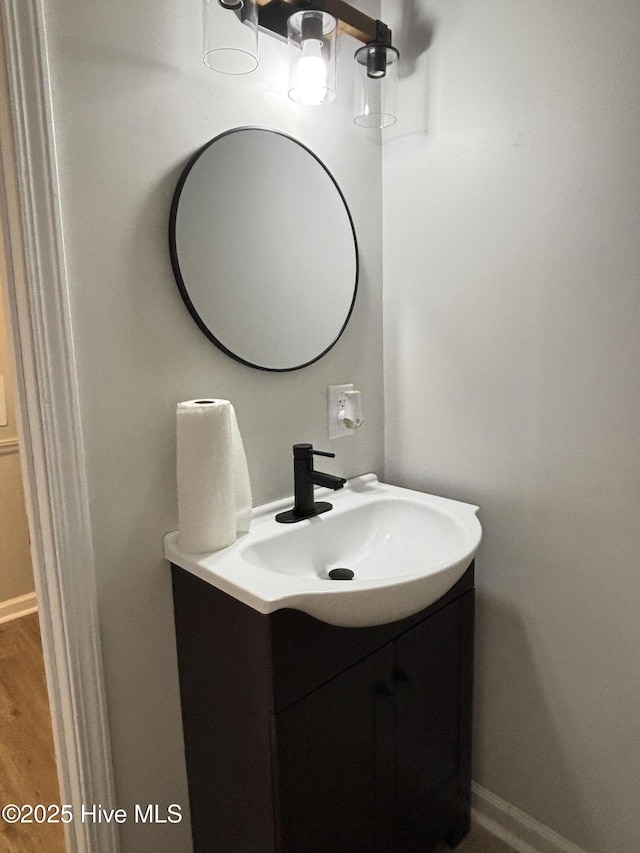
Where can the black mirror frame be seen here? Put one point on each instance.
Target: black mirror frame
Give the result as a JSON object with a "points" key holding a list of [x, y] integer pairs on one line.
{"points": [[176, 264]]}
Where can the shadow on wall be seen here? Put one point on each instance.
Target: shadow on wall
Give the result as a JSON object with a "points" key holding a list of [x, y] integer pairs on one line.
{"points": [[533, 758], [413, 34]]}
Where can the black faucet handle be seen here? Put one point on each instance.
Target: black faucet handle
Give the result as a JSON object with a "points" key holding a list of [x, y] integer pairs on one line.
{"points": [[306, 451]]}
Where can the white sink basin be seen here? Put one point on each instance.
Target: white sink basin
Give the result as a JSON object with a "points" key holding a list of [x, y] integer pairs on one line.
{"points": [[406, 549]]}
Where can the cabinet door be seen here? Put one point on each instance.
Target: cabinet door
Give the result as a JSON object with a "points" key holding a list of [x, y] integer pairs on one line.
{"points": [[427, 692], [335, 761]]}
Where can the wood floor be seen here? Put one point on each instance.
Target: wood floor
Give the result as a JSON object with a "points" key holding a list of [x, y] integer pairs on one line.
{"points": [[27, 763]]}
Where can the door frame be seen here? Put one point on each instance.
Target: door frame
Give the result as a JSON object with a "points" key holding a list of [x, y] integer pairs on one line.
{"points": [[50, 435]]}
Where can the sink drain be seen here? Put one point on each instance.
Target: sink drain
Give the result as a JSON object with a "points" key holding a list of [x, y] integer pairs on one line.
{"points": [[341, 575]]}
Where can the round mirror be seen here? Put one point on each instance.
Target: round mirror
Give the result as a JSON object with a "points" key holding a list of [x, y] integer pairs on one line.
{"points": [[263, 249]]}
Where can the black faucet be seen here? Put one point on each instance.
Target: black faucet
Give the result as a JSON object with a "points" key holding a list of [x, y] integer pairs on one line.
{"points": [[304, 479]]}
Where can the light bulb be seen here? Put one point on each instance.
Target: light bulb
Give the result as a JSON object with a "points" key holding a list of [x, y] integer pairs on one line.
{"points": [[312, 57], [311, 73]]}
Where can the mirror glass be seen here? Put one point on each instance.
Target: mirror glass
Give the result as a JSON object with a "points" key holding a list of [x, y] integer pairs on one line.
{"points": [[263, 249]]}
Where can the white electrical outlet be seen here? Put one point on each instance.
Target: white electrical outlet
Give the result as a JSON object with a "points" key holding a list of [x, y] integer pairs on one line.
{"points": [[337, 402], [3, 404]]}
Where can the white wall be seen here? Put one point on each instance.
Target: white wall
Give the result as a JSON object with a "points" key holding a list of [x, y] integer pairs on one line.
{"points": [[512, 348], [132, 101]]}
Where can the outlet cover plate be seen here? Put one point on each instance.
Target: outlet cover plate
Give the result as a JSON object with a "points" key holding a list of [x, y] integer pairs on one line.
{"points": [[335, 396]]}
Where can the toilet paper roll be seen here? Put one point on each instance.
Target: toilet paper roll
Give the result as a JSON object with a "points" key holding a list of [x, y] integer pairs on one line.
{"points": [[214, 493]]}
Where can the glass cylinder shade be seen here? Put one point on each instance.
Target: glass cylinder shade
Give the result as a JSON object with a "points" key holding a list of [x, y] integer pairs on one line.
{"points": [[376, 85], [312, 57], [230, 31]]}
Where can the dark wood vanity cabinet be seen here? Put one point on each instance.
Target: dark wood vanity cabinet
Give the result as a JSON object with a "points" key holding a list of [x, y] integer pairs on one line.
{"points": [[302, 737]]}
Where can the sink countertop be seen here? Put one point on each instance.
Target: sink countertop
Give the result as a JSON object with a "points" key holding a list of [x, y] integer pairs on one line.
{"points": [[406, 549]]}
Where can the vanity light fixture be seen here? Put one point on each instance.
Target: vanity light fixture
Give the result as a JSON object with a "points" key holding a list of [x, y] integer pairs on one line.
{"points": [[311, 28]]}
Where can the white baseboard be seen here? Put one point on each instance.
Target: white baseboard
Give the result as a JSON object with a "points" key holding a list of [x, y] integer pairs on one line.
{"points": [[14, 608], [514, 828]]}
